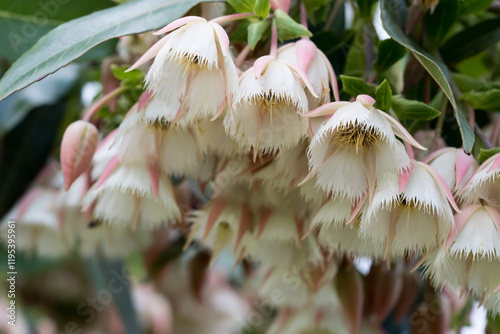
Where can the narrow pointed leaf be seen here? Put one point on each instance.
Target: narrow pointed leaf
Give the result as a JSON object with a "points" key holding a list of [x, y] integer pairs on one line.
{"points": [[436, 68]]}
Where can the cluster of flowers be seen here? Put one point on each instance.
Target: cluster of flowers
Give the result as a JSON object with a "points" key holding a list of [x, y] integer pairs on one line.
{"points": [[298, 181]]}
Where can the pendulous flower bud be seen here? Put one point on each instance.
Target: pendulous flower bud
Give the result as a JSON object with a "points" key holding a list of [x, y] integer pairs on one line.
{"points": [[77, 149]]}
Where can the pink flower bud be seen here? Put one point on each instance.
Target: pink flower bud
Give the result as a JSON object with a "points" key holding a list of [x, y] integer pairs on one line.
{"points": [[350, 290], [284, 5], [77, 149], [387, 292], [409, 293], [366, 100]]}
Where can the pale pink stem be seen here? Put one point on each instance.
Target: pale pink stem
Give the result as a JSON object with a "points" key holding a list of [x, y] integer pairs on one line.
{"points": [[232, 17], [303, 17], [242, 56], [371, 79], [101, 102], [274, 41]]}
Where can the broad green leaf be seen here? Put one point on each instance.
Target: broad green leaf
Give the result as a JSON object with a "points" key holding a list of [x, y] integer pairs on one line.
{"points": [[466, 83], [288, 28], [486, 154], [242, 6], [255, 31], [262, 8], [473, 6], [488, 100], [46, 92], [72, 39], [435, 67], [411, 109], [389, 52], [471, 41], [356, 86], [383, 95], [22, 23], [439, 22]]}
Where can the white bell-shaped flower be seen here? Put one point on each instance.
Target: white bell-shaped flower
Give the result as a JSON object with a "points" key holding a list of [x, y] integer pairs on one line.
{"points": [[355, 147], [453, 165], [265, 115], [193, 75], [412, 214], [470, 258]]}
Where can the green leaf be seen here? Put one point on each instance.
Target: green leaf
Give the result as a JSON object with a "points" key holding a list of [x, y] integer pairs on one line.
{"points": [[72, 39], [471, 41], [411, 109], [288, 28], [356, 86], [255, 31], [262, 8], [242, 6], [25, 22], [439, 23], [435, 67], [486, 154], [488, 100], [466, 83], [473, 6], [389, 52], [383, 95]]}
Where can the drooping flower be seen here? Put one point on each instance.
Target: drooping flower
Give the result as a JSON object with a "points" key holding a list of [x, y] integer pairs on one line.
{"points": [[173, 150], [339, 238], [470, 258], [409, 214], [130, 193], [265, 115], [313, 62], [223, 225], [193, 75], [94, 238], [484, 186], [299, 283], [453, 165], [37, 225], [112, 242], [355, 147]]}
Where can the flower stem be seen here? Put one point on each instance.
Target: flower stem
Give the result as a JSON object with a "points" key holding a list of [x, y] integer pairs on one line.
{"points": [[232, 17], [274, 40], [242, 56], [303, 17], [101, 102]]}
